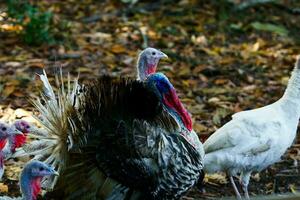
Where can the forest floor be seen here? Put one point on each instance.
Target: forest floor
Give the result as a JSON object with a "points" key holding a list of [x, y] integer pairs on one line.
{"points": [[224, 58]]}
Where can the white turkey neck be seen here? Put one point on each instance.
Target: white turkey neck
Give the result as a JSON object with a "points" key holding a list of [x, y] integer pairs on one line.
{"points": [[292, 92]]}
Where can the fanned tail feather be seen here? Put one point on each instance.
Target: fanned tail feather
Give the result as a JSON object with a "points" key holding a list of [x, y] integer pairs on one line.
{"points": [[48, 91], [56, 114]]}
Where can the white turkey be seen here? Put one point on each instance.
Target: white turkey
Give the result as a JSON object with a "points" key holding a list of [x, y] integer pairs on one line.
{"points": [[255, 139], [30, 180], [120, 141]]}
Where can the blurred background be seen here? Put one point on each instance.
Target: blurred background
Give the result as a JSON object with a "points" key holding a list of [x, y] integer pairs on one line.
{"points": [[225, 56]]}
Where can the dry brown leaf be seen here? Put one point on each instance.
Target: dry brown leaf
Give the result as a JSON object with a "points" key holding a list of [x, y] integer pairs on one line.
{"points": [[3, 188], [84, 69], [219, 178], [12, 172], [8, 90], [118, 48], [184, 71], [221, 81], [199, 127]]}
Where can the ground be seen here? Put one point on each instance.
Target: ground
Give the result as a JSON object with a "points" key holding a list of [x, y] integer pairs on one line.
{"points": [[223, 58]]}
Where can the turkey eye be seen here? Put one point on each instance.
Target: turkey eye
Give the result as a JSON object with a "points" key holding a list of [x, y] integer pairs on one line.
{"points": [[153, 53], [41, 168], [27, 126], [4, 129]]}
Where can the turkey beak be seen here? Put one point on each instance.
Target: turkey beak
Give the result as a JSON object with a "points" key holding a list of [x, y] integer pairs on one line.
{"points": [[17, 132], [163, 55]]}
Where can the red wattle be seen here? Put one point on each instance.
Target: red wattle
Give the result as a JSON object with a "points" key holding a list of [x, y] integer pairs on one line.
{"points": [[36, 187], [2, 143], [171, 100], [151, 69], [20, 140]]}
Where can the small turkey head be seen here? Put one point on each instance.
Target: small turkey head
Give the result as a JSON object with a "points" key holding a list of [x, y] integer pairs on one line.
{"points": [[7, 131], [31, 177], [23, 126], [167, 93], [20, 140], [147, 62]]}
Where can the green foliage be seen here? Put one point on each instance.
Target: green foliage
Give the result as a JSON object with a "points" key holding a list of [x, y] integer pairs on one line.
{"points": [[36, 24], [277, 29]]}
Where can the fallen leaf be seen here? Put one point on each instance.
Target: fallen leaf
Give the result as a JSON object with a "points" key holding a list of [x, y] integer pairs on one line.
{"points": [[118, 48], [3, 188], [219, 178], [219, 115], [84, 69], [20, 113], [13, 64], [8, 90], [199, 127]]}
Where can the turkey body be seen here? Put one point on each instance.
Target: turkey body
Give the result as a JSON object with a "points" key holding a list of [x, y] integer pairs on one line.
{"points": [[255, 139], [121, 133], [252, 140]]}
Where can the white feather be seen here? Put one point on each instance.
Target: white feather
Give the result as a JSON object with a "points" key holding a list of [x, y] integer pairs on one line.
{"points": [[50, 146], [48, 91]]}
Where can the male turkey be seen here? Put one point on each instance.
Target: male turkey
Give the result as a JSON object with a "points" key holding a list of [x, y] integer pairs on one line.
{"points": [[122, 130], [30, 180], [147, 63], [255, 139]]}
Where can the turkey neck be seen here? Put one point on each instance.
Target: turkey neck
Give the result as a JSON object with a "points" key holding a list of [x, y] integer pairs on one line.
{"points": [[11, 143], [144, 68], [291, 95], [141, 68], [1, 160], [30, 186]]}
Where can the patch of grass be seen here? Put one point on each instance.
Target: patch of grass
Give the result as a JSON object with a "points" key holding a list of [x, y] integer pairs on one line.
{"points": [[36, 24]]}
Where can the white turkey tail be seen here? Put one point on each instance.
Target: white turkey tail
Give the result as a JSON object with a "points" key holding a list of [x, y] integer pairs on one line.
{"points": [[55, 118]]}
